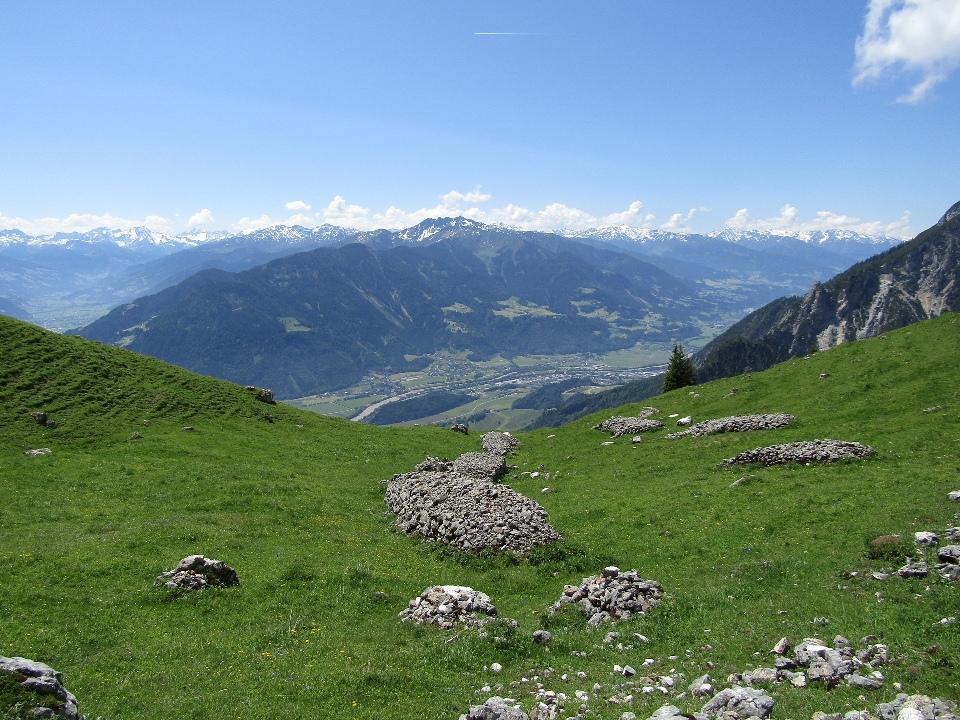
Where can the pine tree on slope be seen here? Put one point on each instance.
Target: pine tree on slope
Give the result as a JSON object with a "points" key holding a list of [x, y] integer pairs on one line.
{"points": [[680, 371]]}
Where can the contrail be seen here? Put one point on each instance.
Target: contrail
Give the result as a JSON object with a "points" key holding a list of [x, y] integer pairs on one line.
{"points": [[507, 33]]}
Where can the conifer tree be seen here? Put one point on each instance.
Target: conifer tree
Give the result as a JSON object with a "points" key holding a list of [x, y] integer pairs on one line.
{"points": [[680, 371]]}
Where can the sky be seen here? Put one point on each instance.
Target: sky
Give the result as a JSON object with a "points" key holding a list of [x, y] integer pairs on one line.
{"points": [[765, 114]]}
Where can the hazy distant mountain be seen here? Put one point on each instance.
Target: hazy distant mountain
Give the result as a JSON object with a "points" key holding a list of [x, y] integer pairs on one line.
{"points": [[914, 281], [749, 268], [67, 275], [322, 319], [223, 252]]}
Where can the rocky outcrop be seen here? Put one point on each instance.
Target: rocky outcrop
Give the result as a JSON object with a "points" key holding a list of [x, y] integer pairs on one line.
{"points": [[736, 423], [459, 504], [195, 572], [42, 688], [802, 452], [612, 595]]}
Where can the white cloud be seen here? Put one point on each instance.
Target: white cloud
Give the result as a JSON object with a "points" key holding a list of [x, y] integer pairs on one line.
{"points": [[80, 223], [247, 225], [789, 221], [297, 205], [204, 217], [555, 216], [679, 222], [915, 35]]}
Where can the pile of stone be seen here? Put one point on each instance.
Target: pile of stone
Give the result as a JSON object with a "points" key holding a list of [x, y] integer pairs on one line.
{"points": [[737, 423], [501, 443], [910, 707], [619, 426], [948, 556], [449, 605], [44, 688], [735, 703], [195, 572], [802, 452], [496, 708], [814, 661], [612, 595], [483, 465], [460, 504]]}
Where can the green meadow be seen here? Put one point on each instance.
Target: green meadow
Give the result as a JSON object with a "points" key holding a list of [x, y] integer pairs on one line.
{"points": [[294, 502]]}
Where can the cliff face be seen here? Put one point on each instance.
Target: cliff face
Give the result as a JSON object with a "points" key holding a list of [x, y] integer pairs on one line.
{"points": [[906, 284]]}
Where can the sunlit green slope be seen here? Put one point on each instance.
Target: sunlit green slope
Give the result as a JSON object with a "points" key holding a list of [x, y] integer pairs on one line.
{"points": [[295, 506]]}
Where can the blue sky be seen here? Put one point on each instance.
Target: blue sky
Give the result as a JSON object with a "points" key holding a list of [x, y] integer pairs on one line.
{"points": [[372, 113]]}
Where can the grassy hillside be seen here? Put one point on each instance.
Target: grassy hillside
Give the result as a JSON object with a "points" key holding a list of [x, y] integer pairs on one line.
{"points": [[296, 508]]}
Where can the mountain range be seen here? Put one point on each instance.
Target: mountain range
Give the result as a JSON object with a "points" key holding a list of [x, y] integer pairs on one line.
{"points": [[69, 279], [321, 319]]}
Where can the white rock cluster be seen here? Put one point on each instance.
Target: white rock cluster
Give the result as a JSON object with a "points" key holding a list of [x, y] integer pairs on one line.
{"points": [[736, 423], [453, 503], [53, 699], [195, 572], [802, 452], [612, 595], [449, 605]]}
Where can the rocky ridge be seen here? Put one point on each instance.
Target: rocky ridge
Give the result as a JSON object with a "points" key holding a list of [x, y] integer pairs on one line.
{"points": [[736, 423], [802, 452]]}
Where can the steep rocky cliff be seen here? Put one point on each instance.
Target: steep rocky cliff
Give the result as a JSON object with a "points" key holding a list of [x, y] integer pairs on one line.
{"points": [[906, 284]]}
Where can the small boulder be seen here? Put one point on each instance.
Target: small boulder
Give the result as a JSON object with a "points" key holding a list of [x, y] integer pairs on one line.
{"points": [[925, 537], [461, 428], [195, 572], [866, 683], [702, 686], [949, 554], [542, 637], [42, 687], [954, 496], [266, 395], [39, 417]]}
